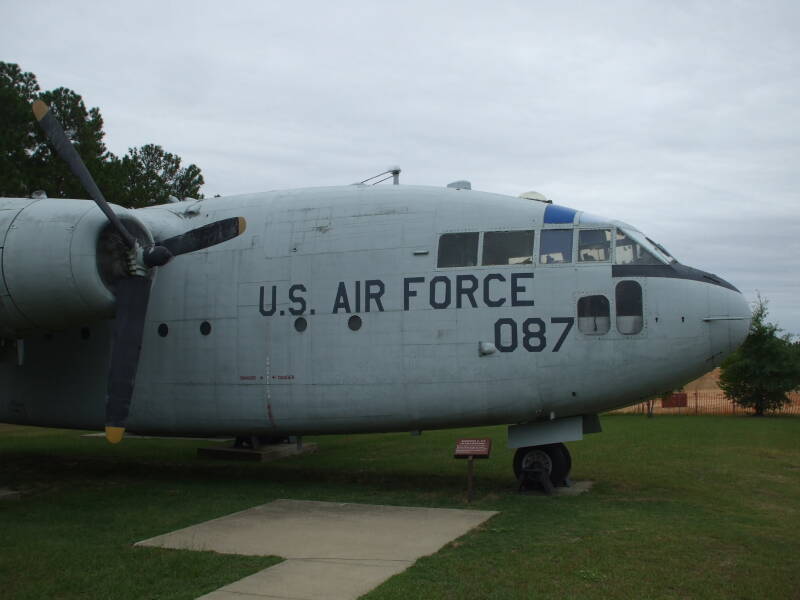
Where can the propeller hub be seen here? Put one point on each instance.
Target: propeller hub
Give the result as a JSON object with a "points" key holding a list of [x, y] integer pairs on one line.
{"points": [[157, 256]]}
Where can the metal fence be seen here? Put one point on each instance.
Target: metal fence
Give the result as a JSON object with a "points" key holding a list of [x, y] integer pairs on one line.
{"points": [[706, 403]]}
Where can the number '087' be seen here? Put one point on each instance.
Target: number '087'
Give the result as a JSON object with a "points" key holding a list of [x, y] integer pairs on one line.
{"points": [[531, 333]]}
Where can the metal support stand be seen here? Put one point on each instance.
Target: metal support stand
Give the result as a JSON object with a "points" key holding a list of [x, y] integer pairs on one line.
{"points": [[247, 442], [535, 476]]}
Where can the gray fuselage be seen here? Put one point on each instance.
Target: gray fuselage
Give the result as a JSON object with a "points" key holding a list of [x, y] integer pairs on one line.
{"points": [[257, 335]]}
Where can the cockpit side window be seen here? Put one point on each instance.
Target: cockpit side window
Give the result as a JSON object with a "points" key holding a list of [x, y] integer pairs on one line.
{"points": [[594, 245], [630, 252], [594, 315], [458, 250], [555, 246], [508, 247], [630, 318]]}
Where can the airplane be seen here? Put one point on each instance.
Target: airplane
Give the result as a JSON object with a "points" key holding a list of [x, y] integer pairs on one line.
{"points": [[348, 309]]}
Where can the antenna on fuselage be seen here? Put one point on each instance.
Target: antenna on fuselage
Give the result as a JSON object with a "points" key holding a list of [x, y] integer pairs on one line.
{"points": [[392, 172]]}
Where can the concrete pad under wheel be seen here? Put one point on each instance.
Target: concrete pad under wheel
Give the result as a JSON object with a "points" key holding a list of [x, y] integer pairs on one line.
{"points": [[576, 488], [333, 550]]}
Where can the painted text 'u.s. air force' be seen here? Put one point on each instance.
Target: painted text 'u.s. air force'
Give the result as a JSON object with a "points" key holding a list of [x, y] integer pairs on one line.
{"points": [[442, 291]]}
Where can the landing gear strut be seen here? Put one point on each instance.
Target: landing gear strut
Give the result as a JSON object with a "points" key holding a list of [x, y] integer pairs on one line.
{"points": [[545, 466]]}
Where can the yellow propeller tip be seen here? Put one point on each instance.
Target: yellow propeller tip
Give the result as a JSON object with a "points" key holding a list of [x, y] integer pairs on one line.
{"points": [[114, 434], [242, 225], [40, 109]]}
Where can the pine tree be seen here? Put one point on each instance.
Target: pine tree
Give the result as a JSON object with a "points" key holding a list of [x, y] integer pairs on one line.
{"points": [[149, 175], [766, 367], [145, 176], [17, 137]]}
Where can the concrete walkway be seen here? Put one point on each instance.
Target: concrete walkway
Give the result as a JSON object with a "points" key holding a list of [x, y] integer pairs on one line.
{"points": [[333, 551]]}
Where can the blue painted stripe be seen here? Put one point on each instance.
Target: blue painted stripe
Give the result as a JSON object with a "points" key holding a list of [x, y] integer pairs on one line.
{"points": [[559, 214]]}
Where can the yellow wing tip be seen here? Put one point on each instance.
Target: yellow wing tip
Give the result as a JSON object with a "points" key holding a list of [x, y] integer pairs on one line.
{"points": [[114, 434], [40, 109]]}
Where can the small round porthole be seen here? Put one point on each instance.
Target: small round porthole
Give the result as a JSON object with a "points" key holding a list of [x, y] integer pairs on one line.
{"points": [[205, 327], [354, 322], [300, 324], [86, 333], [163, 330]]}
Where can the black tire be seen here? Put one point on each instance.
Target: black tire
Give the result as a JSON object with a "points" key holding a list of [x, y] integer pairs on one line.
{"points": [[554, 458]]}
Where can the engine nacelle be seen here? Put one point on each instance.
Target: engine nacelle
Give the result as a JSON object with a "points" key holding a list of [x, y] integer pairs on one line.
{"points": [[51, 275]]}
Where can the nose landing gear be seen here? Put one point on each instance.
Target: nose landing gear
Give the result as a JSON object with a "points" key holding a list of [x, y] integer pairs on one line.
{"points": [[546, 466]]}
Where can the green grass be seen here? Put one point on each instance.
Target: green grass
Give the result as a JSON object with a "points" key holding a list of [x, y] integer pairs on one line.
{"points": [[683, 507]]}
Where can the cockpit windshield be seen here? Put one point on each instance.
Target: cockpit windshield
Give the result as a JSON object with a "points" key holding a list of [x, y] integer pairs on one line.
{"points": [[660, 248], [632, 248]]}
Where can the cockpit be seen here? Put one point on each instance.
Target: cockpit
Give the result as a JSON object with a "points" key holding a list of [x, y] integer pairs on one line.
{"points": [[569, 238], [634, 248], [616, 243]]}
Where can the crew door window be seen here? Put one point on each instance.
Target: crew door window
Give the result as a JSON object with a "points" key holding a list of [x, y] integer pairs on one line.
{"points": [[630, 318], [508, 247], [594, 315], [555, 246], [458, 250]]}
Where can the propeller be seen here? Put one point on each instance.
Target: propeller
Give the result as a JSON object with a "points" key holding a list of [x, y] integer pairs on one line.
{"points": [[132, 293]]}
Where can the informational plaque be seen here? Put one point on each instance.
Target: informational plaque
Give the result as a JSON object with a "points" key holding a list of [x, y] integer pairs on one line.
{"points": [[473, 447]]}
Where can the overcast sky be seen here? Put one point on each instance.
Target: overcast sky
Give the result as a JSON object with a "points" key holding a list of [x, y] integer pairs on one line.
{"points": [[681, 118]]}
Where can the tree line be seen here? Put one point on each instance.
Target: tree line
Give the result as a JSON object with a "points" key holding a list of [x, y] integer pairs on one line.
{"points": [[145, 176]]}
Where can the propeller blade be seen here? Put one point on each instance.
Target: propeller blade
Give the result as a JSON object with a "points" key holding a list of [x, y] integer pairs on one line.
{"points": [[55, 133], [132, 292], [132, 295], [205, 236]]}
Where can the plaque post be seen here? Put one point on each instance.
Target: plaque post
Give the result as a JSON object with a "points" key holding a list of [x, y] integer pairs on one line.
{"points": [[470, 462], [471, 449]]}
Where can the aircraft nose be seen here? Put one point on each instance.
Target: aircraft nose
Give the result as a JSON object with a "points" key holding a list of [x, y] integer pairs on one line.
{"points": [[740, 329], [728, 320]]}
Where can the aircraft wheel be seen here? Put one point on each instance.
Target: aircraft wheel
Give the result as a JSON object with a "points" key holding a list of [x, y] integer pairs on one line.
{"points": [[554, 458]]}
